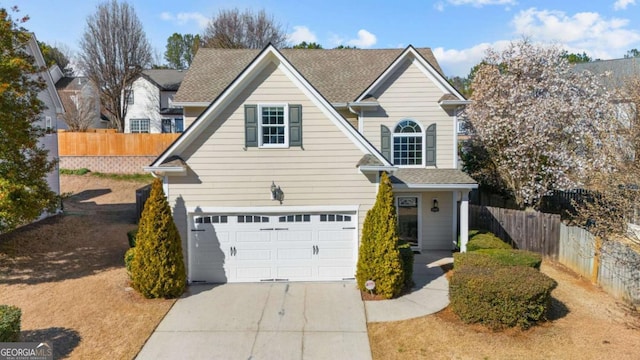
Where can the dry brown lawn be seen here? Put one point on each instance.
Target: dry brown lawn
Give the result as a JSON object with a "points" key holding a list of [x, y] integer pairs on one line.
{"points": [[67, 275], [585, 323]]}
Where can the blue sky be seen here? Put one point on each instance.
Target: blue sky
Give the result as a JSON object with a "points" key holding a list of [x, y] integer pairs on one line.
{"points": [[458, 31]]}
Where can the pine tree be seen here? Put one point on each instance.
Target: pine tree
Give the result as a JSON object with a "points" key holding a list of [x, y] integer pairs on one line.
{"points": [[157, 269], [379, 258]]}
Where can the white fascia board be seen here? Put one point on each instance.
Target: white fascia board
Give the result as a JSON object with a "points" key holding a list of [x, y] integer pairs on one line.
{"points": [[162, 170], [435, 186], [454, 102], [271, 209], [358, 104], [365, 169], [191, 103]]}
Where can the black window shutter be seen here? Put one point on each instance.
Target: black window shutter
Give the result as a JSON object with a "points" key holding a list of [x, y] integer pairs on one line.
{"points": [[431, 145], [295, 125], [250, 125], [385, 142]]}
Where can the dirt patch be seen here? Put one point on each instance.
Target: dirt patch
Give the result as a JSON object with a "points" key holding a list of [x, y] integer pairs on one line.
{"points": [[67, 275], [585, 323]]}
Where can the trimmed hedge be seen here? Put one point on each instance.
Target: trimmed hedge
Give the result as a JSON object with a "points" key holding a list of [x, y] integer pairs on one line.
{"points": [[10, 317], [500, 297], [407, 263], [131, 235], [486, 241], [494, 258]]}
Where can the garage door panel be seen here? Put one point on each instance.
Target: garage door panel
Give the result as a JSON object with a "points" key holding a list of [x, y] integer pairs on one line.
{"points": [[330, 254], [253, 236], [253, 255], [295, 254], [335, 235], [294, 236]]}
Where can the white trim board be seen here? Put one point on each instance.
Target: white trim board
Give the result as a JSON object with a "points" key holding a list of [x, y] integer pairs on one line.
{"points": [[271, 209]]}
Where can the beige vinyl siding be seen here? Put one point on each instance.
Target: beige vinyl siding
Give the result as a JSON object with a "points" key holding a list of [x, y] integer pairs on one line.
{"points": [[191, 113], [223, 173], [351, 117], [410, 94], [437, 228]]}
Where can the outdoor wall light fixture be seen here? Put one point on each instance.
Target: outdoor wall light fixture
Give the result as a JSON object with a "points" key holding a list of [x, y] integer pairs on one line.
{"points": [[276, 192], [435, 207]]}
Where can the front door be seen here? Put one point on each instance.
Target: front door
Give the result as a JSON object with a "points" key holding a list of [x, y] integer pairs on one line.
{"points": [[408, 207]]}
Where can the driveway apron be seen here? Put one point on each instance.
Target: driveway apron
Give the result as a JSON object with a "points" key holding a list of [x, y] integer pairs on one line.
{"points": [[263, 321]]}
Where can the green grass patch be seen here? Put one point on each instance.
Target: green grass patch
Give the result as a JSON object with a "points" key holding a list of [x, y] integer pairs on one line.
{"points": [[142, 177]]}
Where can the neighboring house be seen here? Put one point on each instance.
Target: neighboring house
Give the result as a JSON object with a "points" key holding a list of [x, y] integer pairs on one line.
{"points": [[80, 98], [615, 76], [282, 154], [150, 107], [51, 118]]}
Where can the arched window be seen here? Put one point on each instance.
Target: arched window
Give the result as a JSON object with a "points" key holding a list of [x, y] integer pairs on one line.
{"points": [[408, 143]]}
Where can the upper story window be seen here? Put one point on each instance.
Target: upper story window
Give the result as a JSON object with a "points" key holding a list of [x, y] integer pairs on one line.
{"points": [[274, 126], [408, 143]]}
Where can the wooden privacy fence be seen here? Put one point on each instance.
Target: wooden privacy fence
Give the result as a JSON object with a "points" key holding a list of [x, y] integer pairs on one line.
{"points": [[526, 230], [113, 144]]}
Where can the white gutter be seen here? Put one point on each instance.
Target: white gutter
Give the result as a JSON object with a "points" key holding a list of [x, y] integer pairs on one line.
{"points": [[162, 170], [454, 102], [190, 103], [360, 104], [435, 186], [375, 168]]}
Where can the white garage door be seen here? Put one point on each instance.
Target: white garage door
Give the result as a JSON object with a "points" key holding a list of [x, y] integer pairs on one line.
{"points": [[282, 247]]}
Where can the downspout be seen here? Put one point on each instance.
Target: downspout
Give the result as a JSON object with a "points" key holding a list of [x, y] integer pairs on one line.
{"points": [[359, 115]]}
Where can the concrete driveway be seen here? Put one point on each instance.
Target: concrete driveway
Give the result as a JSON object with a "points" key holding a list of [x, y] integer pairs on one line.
{"points": [[263, 321]]}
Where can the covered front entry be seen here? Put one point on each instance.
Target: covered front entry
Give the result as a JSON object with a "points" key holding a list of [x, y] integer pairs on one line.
{"points": [[253, 247]]}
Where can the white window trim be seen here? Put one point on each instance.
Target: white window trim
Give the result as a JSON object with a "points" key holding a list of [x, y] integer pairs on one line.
{"points": [[286, 127], [139, 127], [394, 135]]}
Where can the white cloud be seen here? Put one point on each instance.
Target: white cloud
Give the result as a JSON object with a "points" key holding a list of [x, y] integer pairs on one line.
{"points": [[481, 3], [622, 4], [186, 17], [459, 62], [439, 6], [300, 34], [365, 39], [600, 37]]}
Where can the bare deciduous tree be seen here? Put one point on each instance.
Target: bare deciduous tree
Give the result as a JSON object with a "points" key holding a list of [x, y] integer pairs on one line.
{"points": [[81, 110], [114, 51], [232, 29]]}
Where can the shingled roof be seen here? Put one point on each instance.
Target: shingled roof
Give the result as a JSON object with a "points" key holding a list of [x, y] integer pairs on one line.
{"points": [[340, 75], [165, 79], [618, 71]]}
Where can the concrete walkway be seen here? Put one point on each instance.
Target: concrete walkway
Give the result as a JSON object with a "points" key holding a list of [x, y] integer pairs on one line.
{"points": [[429, 295], [263, 321]]}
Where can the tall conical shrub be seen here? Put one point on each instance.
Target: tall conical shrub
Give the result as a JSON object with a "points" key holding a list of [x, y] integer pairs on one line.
{"points": [[157, 269], [379, 258]]}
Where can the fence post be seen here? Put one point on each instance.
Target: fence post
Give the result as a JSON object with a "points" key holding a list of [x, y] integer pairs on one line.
{"points": [[596, 259]]}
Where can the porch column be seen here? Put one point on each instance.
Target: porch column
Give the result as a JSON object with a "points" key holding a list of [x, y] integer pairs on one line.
{"points": [[454, 223], [464, 221]]}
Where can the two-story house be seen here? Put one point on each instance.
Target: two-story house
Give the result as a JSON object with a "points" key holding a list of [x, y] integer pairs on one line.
{"points": [[150, 107], [80, 99], [283, 152]]}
